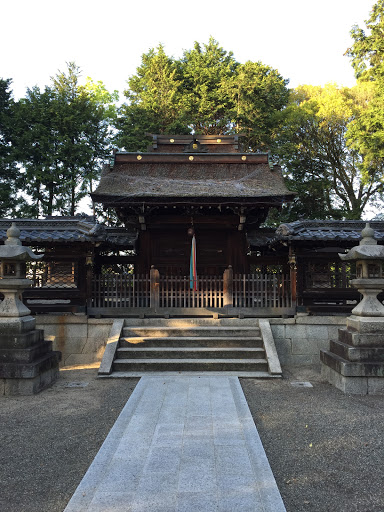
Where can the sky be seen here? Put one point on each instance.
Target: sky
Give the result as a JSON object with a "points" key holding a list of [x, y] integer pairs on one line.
{"points": [[304, 39]]}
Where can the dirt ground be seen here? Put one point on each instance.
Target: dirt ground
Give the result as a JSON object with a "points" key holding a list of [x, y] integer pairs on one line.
{"points": [[49, 440], [325, 448]]}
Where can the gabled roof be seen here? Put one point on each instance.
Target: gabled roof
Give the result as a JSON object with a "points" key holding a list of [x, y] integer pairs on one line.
{"points": [[327, 230]]}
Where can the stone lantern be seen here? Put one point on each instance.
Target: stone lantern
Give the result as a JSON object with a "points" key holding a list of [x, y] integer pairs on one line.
{"points": [[27, 362], [355, 362]]}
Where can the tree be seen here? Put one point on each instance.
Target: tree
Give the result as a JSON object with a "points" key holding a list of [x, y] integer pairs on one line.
{"points": [[154, 96], [62, 135], [260, 96], [206, 91], [206, 73], [366, 133], [36, 148], [8, 167], [325, 172]]}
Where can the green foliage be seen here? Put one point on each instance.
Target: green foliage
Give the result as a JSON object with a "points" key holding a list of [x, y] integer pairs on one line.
{"points": [[61, 137], [8, 167], [206, 91], [154, 96], [207, 100], [366, 132], [325, 172]]}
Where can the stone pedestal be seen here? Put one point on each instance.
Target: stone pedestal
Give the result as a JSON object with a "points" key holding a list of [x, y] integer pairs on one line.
{"points": [[355, 362], [27, 363]]}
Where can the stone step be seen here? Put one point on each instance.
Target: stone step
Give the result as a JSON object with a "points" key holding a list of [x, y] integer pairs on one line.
{"points": [[189, 353], [357, 354], [21, 340], [165, 332], [351, 369], [192, 341], [25, 355], [198, 321], [238, 373], [180, 365], [30, 370]]}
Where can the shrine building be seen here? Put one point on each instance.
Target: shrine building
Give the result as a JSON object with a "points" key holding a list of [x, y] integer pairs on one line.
{"points": [[185, 185]]}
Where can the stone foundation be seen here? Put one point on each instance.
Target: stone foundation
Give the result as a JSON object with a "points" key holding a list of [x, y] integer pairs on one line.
{"points": [[299, 340], [81, 340]]}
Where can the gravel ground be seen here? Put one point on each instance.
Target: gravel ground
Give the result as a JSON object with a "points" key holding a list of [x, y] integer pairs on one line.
{"points": [[325, 448], [48, 441]]}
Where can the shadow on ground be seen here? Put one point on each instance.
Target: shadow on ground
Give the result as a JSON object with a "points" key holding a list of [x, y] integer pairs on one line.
{"points": [[49, 440], [325, 448]]}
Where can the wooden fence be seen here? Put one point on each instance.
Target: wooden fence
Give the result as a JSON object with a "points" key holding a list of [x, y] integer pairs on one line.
{"points": [[121, 291], [251, 294], [261, 290]]}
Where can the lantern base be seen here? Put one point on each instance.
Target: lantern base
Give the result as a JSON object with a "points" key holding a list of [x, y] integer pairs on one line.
{"points": [[27, 363]]}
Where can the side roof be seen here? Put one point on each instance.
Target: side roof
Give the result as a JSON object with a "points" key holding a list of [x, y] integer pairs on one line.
{"points": [[67, 230], [328, 230]]}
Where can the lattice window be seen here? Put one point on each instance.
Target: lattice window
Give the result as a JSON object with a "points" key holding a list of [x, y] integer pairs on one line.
{"points": [[329, 274], [53, 274]]}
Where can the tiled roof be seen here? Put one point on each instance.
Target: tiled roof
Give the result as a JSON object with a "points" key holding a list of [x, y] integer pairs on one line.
{"points": [[67, 230], [327, 230]]}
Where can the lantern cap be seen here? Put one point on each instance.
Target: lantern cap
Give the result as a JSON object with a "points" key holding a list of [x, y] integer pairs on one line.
{"points": [[14, 250], [368, 236], [367, 248]]}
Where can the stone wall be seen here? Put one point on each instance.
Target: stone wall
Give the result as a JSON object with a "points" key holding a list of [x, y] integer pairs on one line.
{"points": [[299, 340], [83, 340], [80, 339]]}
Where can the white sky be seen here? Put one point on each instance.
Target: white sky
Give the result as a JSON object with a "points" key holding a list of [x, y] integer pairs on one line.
{"points": [[304, 39]]}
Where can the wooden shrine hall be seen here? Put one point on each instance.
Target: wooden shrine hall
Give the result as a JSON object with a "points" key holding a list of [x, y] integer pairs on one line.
{"points": [[183, 186], [199, 191]]}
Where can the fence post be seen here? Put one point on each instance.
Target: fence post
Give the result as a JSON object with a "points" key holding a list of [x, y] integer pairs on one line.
{"points": [[293, 276], [228, 287], [154, 288]]}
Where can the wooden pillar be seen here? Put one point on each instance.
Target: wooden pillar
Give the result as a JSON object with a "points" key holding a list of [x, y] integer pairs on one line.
{"points": [[154, 288], [89, 277], [293, 275], [228, 287]]}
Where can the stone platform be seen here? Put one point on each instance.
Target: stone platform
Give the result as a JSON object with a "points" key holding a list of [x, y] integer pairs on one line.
{"points": [[181, 444]]}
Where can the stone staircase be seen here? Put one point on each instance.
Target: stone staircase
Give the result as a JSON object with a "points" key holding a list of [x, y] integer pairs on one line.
{"points": [[232, 346]]}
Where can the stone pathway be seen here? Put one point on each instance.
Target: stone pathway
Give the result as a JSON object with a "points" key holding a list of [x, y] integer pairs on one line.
{"points": [[181, 444]]}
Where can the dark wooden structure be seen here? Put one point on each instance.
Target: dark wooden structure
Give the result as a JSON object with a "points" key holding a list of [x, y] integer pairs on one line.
{"points": [[322, 278], [90, 268], [183, 183]]}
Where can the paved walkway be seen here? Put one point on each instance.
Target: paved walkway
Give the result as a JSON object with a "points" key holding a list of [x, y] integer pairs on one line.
{"points": [[181, 444]]}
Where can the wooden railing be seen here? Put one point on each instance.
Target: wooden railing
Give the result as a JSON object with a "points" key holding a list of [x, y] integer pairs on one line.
{"points": [[121, 291], [155, 293], [261, 291], [176, 292]]}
